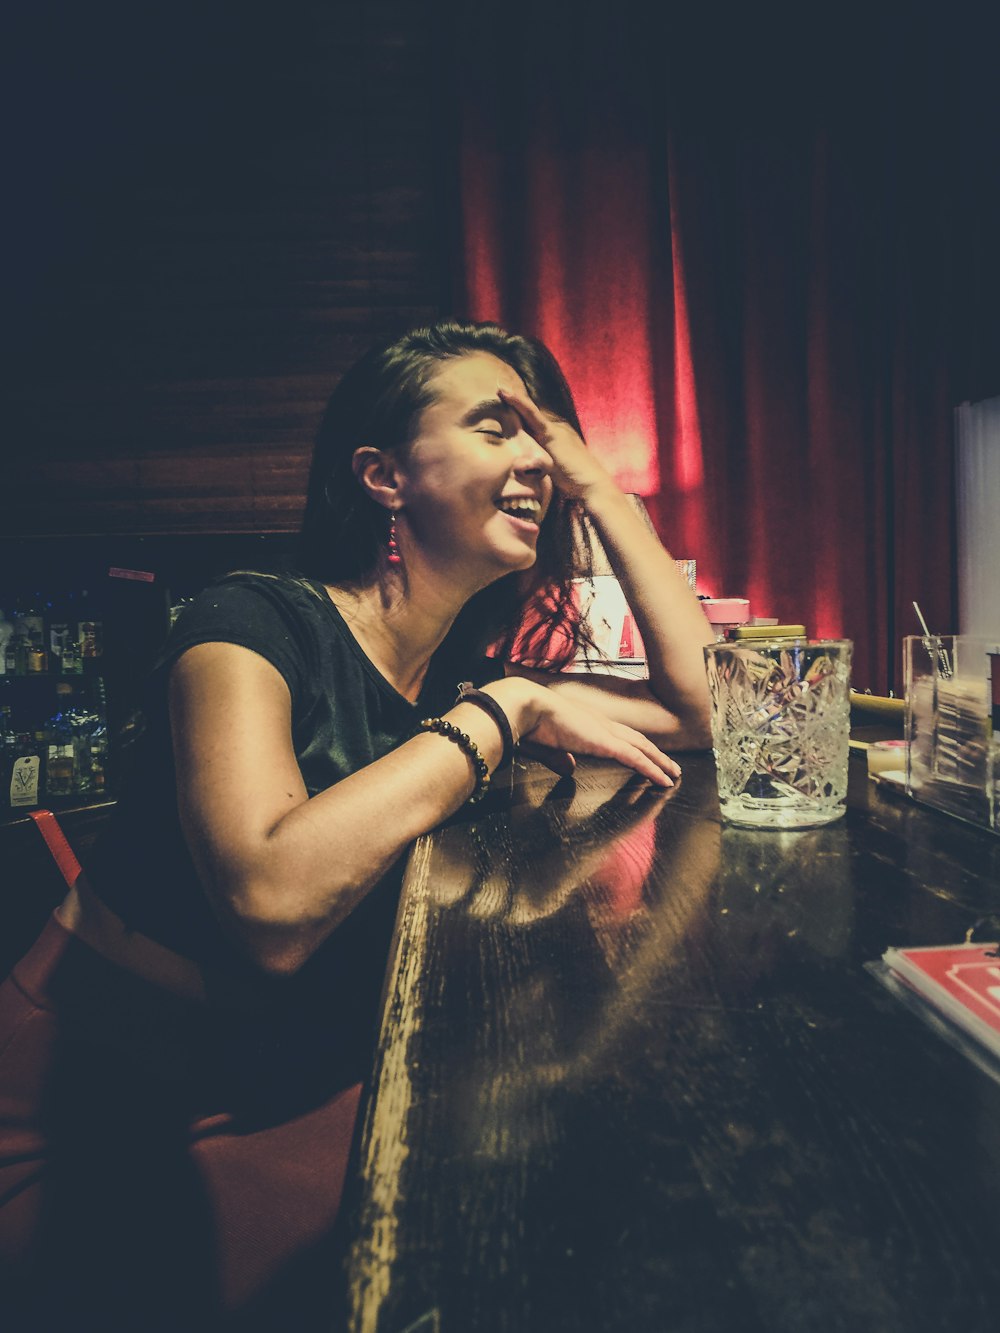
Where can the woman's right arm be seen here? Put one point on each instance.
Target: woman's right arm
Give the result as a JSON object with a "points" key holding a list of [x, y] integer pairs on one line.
{"points": [[283, 869]]}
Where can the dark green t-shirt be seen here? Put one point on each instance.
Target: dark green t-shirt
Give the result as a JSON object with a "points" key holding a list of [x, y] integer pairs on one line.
{"points": [[345, 714]]}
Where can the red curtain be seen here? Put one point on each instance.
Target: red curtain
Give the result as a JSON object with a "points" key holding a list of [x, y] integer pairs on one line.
{"points": [[756, 267]]}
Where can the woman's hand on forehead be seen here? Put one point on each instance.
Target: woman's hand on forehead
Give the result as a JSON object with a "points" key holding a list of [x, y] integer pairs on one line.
{"points": [[576, 471]]}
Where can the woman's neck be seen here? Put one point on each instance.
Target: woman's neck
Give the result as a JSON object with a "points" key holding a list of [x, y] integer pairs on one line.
{"points": [[399, 627]]}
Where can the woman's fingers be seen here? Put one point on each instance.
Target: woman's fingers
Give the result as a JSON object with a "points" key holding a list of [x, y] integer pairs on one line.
{"points": [[563, 763], [566, 728], [534, 422], [639, 752], [651, 751], [576, 468], [634, 758]]}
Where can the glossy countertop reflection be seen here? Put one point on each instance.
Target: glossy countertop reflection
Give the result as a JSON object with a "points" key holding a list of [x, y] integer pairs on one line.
{"points": [[633, 1074]]}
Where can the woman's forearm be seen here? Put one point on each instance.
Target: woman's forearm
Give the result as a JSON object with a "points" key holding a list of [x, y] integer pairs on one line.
{"points": [[667, 613], [669, 617], [283, 869], [282, 890]]}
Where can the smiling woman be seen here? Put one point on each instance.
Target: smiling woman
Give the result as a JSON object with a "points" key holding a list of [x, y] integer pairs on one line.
{"points": [[185, 1045], [444, 378]]}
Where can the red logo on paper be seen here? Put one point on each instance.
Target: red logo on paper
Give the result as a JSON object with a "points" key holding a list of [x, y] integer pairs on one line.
{"points": [[980, 980], [969, 974]]}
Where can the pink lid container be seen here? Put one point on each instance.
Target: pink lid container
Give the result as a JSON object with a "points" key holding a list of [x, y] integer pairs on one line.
{"points": [[727, 610]]}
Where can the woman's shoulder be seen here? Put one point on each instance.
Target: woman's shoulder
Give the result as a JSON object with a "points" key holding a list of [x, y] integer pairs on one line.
{"points": [[283, 586], [281, 616], [255, 593]]}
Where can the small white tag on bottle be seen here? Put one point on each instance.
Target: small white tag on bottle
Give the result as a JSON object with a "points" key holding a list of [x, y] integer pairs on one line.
{"points": [[24, 780]]}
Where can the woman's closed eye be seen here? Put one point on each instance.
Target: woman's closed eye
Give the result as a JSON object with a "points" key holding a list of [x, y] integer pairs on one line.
{"points": [[494, 430], [492, 418]]}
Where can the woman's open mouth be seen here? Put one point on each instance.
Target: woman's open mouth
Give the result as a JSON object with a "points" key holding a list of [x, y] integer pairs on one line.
{"points": [[524, 511]]}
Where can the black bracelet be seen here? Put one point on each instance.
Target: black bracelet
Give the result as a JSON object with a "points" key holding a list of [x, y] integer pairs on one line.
{"points": [[467, 695], [465, 743]]}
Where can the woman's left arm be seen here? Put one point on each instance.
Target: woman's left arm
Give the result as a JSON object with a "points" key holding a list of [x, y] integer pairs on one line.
{"points": [[673, 707]]}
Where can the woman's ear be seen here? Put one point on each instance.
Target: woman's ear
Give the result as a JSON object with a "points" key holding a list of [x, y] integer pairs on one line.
{"points": [[378, 474]]}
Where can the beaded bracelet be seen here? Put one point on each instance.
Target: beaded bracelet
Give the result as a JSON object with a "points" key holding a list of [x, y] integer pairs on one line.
{"points": [[468, 695], [468, 746]]}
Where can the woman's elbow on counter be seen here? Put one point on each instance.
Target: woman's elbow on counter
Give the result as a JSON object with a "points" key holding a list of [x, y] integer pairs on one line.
{"points": [[698, 732], [684, 728], [273, 929], [276, 957]]}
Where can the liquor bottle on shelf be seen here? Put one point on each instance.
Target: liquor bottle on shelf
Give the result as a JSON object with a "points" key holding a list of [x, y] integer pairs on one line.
{"points": [[90, 632], [25, 775], [71, 734], [60, 771], [64, 635], [98, 745], [8, 753], [32, 626], [16, 648], [60, 633], [15, 655], [72, 663], [81, 725], [6, 633]]}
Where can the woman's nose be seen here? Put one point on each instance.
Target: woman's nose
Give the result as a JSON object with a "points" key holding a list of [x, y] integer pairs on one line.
{"points": [[530, 457]]}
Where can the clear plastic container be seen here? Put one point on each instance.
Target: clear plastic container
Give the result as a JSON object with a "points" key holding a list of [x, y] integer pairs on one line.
{"points": [[952, 753]]}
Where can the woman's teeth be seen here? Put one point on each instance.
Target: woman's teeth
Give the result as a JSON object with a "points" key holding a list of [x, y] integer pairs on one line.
{"points": [[530, 510]]}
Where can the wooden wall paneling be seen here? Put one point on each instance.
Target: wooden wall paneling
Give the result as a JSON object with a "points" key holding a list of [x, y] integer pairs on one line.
{"points": [[242, 208]]}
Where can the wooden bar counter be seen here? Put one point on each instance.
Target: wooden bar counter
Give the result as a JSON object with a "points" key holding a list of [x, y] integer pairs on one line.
{"points": [[633, 1074]]}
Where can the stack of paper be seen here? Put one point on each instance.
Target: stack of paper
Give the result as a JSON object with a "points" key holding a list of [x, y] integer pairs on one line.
{"points": [[959, 985]]}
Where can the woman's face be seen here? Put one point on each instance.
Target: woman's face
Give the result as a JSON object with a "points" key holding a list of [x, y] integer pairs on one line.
{"points": [[475, 485]]}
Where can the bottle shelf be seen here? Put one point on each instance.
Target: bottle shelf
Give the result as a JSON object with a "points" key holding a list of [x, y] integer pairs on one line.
{"points": [[88, 673], [81, 803]]}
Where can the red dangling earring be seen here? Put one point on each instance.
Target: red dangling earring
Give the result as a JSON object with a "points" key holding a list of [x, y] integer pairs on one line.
{"points": [[392, 550]]}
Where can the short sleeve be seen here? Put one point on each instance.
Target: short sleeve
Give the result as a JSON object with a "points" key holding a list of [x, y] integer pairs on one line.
{"points": [[257, 612]]}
